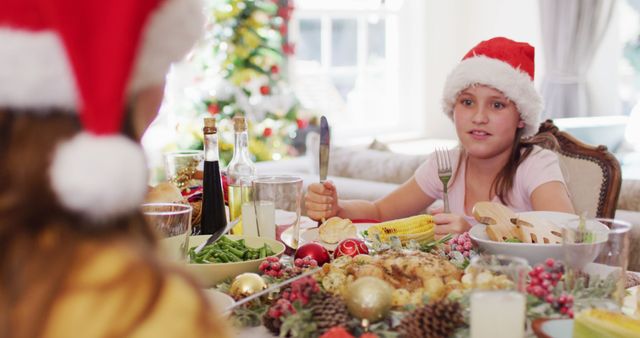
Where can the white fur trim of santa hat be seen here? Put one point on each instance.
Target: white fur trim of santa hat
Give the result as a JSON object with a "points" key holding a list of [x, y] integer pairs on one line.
{"points": [[515, 84], [36, 72], [99, 176]]}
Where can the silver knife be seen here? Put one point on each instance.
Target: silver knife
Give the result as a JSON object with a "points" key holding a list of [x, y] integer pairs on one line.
{"points": [[325, 142], [212, 238]]}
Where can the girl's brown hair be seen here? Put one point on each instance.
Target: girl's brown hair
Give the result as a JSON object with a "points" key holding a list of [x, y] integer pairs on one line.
{"points": [[521, 149], [40, 240]]}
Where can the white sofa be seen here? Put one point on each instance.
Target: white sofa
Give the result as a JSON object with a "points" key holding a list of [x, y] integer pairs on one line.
{"points": [[370, 174]]}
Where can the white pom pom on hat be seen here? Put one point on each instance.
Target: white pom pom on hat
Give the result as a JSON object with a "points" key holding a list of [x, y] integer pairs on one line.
{"points": [[60, 54], [505, 65], [99, 176]]}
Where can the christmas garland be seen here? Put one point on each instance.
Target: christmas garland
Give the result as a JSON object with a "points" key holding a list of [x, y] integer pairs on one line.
{"points": [[310, 307]]}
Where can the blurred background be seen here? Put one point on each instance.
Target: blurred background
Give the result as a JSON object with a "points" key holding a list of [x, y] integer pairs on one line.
{"points": [[376, 69]]}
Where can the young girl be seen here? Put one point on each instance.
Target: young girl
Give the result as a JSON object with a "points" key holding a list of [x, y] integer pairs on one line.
{"points": [[77, 259], [491, 98]]}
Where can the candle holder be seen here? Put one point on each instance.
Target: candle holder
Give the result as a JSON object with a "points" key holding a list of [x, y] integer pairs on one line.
{"points": [[498, 301]]}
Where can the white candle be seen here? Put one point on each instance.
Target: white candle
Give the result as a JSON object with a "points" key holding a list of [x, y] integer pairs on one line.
{"points": [[497, 314], [249, 226], [266, 219]]}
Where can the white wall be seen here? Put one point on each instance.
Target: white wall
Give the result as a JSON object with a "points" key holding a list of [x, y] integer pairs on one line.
{"points": [[453, 27]]}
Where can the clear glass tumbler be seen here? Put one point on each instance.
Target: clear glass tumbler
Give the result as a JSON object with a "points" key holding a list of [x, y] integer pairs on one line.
{"points": [[276, 202], [498, 299], [596, 255], [173, 222]]}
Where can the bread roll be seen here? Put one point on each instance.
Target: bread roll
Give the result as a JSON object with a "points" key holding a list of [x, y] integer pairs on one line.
{"points": [[336, 229], [164, 192]]}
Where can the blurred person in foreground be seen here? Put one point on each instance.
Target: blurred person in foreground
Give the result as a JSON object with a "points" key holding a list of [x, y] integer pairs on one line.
{"points": [[77, 259]]}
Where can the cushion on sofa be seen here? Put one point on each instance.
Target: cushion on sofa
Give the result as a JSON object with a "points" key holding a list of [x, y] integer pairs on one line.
{"points": [[374, 165]]}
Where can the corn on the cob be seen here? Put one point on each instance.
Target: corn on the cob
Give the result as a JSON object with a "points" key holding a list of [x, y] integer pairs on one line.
{"points": [[419, 228]]}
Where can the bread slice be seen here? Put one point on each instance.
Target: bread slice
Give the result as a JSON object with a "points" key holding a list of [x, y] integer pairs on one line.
{"points": [[336, 229]]}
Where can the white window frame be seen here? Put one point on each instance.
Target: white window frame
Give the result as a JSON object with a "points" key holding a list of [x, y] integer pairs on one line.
{"points": [[404, 119]]}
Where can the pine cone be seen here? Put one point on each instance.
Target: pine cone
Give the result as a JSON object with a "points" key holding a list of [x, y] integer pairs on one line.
{"points": [[272, 324], [436, 320], [329, 311]]}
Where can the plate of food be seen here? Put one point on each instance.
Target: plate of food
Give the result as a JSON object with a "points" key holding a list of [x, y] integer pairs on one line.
{"points": [[533, 235], [333, 231]]}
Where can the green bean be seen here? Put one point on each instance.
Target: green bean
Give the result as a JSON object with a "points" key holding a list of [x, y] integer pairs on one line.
{"points": [[226, 250]]}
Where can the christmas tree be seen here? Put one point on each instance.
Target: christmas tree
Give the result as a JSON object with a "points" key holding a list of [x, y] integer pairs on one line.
{"points": [[248, 47]]}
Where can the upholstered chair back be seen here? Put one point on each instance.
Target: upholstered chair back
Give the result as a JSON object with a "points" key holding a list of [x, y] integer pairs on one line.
{"points": [[592, 173]]}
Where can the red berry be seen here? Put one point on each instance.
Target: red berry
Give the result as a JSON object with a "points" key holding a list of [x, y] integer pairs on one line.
{"points": [[267, 132], [563, 310], [264, 90], [549, 262], [549, 299], [570, 313]]}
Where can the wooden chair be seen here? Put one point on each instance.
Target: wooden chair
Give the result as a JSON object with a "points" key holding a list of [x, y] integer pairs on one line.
{"points": [[592, 173]]}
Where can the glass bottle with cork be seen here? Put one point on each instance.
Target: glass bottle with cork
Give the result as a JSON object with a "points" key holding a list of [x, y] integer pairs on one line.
{"points": [[241, 172], [214, 218]]}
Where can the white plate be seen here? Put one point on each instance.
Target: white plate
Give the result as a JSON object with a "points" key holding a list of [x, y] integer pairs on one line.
{"points": [[312, 236], [221, 301], [533, 253], [558, 328]]}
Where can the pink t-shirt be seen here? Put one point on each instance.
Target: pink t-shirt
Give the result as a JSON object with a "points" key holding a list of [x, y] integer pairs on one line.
{"points": [[540, 167]]}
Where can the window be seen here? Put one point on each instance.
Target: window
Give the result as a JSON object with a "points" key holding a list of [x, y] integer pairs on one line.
{"points": [[346, 64]]}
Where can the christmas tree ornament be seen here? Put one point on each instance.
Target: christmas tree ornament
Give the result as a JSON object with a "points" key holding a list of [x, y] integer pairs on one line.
{"points": [[351, 247], [246, 284], [369, 298], [438, 319], [314, 251]]}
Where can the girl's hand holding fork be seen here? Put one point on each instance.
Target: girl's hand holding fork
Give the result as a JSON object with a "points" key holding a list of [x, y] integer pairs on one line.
{"points": [[447, 223]]}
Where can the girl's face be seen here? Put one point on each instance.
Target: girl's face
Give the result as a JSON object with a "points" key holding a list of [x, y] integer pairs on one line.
{"points": [[486, 121]]}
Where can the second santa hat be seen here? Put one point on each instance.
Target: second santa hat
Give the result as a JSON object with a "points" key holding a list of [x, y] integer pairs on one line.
{"points": [[505, 65], [90, 58]]}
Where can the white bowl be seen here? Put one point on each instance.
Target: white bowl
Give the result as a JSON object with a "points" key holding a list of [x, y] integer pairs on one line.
{"points": [[209, 275], [533, 253], [221, 301]]}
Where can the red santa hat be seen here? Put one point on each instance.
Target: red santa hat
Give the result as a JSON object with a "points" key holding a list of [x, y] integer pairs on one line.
{"points": [[505, 65], [90, 57]]}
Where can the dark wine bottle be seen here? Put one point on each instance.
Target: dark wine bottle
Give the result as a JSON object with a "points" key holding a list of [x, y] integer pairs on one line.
{"points": [[214, 218]]}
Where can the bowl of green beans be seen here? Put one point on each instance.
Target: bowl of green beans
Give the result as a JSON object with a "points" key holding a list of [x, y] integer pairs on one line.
{"points": [[229, 256]]}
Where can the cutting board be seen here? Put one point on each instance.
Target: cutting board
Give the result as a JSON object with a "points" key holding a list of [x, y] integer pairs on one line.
{"points": [[498, 218]]}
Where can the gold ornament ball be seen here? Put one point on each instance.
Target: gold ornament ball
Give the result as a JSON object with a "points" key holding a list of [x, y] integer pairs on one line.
{"points": [[369, 298], [246, 284]]}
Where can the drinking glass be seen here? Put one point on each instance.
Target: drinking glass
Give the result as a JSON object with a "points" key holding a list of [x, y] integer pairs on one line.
{"points": [[498, 300], [596, 253], [173, 222], [184, 167], [276, 202]]}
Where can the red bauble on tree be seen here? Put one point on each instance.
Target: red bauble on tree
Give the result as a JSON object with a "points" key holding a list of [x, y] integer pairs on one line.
{"points": [[315, 251], [351, 247]]}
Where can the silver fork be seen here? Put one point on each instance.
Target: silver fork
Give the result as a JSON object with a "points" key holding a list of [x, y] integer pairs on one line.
{"points": [[444, 173]]}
